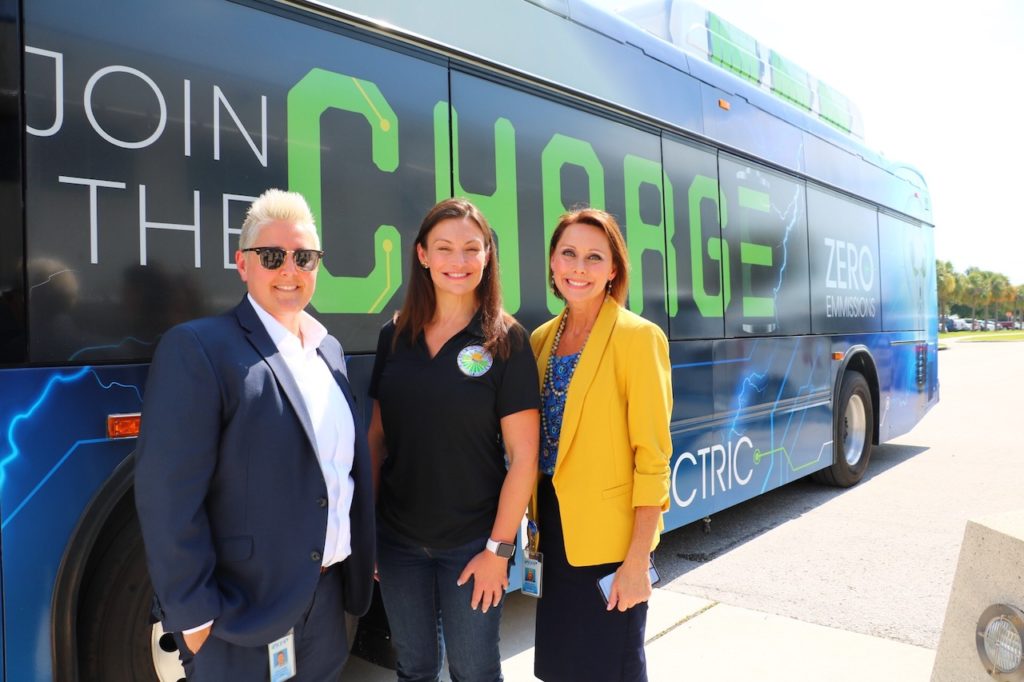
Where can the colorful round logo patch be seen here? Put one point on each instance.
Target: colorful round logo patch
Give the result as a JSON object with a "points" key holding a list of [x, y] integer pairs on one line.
{"points": [[474, 361]]}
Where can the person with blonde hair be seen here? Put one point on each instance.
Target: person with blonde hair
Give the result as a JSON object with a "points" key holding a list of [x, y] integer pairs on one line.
{"points": [[252, 474]]}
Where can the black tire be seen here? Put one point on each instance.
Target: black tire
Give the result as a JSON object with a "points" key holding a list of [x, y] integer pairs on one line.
{"points": [[852, 432], [116, 641]]}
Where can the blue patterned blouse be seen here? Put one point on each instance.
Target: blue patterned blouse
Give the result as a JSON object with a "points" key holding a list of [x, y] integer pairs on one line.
{"points": [[553, 405]]}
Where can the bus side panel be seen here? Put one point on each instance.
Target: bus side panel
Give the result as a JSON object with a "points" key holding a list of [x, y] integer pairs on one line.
{"points": [[54, 455], [932, 323], [772, 424]]}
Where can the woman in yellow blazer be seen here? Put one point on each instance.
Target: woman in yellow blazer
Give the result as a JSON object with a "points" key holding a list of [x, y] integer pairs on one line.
{"points": [[604, 467]]}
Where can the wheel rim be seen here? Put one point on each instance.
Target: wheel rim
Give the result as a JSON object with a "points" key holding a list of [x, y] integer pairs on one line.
{"points": [[165, 656], [854, 431]]}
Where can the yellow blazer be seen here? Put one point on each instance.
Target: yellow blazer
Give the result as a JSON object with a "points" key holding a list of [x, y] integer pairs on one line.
{"points": [[614, 448]]}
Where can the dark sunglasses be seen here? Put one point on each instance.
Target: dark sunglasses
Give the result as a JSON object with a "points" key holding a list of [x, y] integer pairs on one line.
{"points": [[272, 257]]}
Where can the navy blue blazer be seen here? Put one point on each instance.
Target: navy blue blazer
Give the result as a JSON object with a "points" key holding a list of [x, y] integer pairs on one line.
{"points": [[229, 491]]}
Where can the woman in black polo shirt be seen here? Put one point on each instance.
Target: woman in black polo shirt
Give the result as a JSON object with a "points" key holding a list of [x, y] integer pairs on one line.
{"points": [[455, 393]]}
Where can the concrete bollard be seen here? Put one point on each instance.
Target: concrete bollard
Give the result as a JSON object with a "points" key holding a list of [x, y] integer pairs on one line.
{"points": [[990, 571]]}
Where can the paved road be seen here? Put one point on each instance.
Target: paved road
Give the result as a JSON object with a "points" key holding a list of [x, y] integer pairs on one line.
{"points": [[878, 558]]}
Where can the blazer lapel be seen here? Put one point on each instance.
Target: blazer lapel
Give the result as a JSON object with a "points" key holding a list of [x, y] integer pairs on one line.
{"points": [[338, 372], [335, 362], [261, 341], [583, 376]]}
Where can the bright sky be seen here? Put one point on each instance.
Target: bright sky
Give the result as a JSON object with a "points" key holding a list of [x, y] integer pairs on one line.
{"points": [[938, 86]]}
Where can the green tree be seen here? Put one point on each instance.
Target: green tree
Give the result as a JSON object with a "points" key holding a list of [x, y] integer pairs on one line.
{"points": [[946, 284], [961, 296], [979, 290], [1001, 294], [1018, 302]]}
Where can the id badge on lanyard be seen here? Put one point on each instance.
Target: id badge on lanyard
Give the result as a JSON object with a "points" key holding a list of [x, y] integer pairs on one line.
{"points": [[282, 657], [533, 564]]}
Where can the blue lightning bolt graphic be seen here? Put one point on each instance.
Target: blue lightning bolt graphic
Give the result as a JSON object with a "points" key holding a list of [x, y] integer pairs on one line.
{"points": [[111, 346], [793, 207], [750, 381], [14, 451]]}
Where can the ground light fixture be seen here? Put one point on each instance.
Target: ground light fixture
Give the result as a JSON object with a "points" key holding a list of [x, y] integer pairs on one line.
{"points": [[999, 638]]}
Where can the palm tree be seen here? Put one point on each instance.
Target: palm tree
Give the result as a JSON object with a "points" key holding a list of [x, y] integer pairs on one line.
{"points": [[979, 290], [1000, 286], [945, 278], [1018, 302], [961, 296]]}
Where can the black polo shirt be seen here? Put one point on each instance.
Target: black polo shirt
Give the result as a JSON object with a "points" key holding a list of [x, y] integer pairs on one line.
{"points": [[445, 466]]}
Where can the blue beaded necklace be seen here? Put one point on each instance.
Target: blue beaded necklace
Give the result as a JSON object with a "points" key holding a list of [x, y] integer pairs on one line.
{"points": [[549, 383]]}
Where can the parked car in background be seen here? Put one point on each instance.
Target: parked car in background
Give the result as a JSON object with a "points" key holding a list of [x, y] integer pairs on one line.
{"points": [[979, 325], [957, 324]]}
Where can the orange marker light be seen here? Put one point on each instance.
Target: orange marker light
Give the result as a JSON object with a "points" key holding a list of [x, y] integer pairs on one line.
{"points": [[123, 425], [838, 356], [724, 104]]}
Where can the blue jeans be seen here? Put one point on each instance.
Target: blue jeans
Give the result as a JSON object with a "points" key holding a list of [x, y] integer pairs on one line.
{"points": [[429, 613]]}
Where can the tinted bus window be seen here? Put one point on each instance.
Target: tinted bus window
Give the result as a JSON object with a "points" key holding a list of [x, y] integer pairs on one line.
{"points": [[691, 172], [525, 160], [844, 264], [766, 233], [905, 266]]}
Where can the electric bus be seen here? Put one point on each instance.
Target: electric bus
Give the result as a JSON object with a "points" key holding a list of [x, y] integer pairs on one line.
{"points": [[790, 266]]}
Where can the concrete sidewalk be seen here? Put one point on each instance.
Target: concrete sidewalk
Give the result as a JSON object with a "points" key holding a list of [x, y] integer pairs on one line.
{"points": [[696, 640]]}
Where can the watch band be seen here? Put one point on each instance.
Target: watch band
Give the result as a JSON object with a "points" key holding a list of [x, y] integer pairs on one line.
{"points": [[503, 549]]}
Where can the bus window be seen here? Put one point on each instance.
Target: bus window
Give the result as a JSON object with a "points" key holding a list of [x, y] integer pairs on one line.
{"points": [[766, 233], [563, 158], [843, 237]]}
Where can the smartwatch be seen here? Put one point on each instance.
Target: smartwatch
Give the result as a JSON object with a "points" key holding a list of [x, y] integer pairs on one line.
{"points": [[503, 549]]}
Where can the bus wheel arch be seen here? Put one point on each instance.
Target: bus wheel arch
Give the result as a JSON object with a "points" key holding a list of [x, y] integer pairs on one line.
{"points": [[102, 628], [861, 361], [855, 424]]}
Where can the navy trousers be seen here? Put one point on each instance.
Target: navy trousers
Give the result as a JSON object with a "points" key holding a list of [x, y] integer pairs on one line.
{"points": [[321, 645], [577, 638]]}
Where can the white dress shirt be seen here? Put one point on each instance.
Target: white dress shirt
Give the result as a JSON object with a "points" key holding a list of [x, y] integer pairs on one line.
{"points": [[332, 422]]}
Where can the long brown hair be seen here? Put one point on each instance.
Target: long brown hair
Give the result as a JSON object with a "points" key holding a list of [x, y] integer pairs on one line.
{"points": [[421, 301], [605, 222]]}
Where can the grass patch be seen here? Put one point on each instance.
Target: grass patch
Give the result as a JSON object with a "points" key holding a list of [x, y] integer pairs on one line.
{"points": [[998, 335], [994, 337]]}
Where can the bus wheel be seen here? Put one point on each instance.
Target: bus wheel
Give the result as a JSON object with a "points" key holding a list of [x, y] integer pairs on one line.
{"points": [[117, 641], [853, 426]]}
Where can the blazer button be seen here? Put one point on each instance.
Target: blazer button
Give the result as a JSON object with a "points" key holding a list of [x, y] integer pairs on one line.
{"points": [[315, 556], [321, 502]]}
